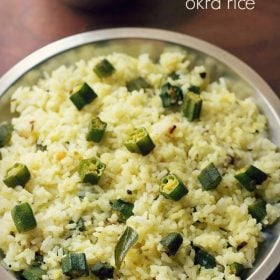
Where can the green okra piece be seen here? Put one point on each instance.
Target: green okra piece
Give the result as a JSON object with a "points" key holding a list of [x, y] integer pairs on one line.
{"points": [[96, 130], [18, 175], [209, 177], [258, 210], [140, 142], [171, 95], [75, 265], [103, 270], [104, 69], [6, 130], [172, 187], [172, 242], [137, 84], [82, 96], [23, 217], [33, 273], [124, 208], [192, 106], [90, 170]]}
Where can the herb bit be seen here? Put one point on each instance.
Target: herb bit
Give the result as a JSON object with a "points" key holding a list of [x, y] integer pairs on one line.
{"points": [[96, 130], [103, 270], [23, 217], [140, 142], [124, 208], [172, 243], [6, 130], [250, 177], [137, 84], [195, 89], [80, 225], [174, 76], [203, 258], [172, 187], [83, 95], [18, 175], [209, 177], [90, 170], [203, 75], [33, 273], [126, 241], [75, 265], [258, 210], [104, 69], [236, 268], [192, 106], [171, 95]]}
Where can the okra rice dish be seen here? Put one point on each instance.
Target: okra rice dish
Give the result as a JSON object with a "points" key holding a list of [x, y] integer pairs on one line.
{"points": [[128, 168]]}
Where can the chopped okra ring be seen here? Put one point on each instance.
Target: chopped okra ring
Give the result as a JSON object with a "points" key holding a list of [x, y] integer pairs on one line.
{"points": [[75, 265], [203, 258], [104, 69], [6, 130], [124, 208], [23, 217], [236, 268], [250, 177], [83, 95], [90, 170], [258, 210], [96, 130], [103, 270], [192, 106], [171, 95], [140, 142], [209, 177], [172, 187], [33, 273], [18, 175], [137, 84], [172, 243]]}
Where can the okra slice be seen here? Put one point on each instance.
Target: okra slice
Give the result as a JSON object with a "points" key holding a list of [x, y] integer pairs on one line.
{"points": [[194, 89], [140, 142], [171, 95], [83, 95], [209, 177], [103, 270], [18, 175], [96, 130], [236, 268], [6, 130], [258, 210], [172, 187], [172, 243], [192, 106], [203, 258], [23, 217], [256, 174], [250, 177], [33, 273], [137, 84], [124, 208], [104, 69], [75, 265], [90, 170]]}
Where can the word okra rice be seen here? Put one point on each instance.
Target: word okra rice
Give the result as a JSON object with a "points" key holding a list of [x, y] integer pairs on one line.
{"points": [[125, 168]]}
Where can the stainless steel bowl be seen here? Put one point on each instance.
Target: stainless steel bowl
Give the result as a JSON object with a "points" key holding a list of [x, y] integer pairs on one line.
{"points": [[139, 40]]}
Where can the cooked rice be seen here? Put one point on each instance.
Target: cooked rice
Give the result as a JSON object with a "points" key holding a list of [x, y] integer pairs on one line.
{"points": [[229, 129]]}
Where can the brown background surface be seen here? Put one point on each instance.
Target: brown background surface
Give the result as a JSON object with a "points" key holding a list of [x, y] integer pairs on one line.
{"points": [[253, 36]]}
